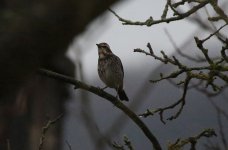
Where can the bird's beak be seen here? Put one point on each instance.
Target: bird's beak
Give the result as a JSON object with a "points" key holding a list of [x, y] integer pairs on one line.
{"points": [[98, 45]]}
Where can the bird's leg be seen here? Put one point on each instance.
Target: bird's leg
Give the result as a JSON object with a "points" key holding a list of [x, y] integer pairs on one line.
{"points": [[104, 87], [117, 96]]}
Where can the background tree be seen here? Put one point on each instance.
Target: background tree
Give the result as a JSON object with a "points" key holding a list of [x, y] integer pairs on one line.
{"points": [[36, 34]]}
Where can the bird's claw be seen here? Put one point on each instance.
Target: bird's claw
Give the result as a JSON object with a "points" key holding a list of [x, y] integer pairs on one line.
{"points": [[102, 88]]}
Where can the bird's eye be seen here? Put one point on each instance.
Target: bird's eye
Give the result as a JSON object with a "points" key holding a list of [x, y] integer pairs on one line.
{"points": [[105, 46]]}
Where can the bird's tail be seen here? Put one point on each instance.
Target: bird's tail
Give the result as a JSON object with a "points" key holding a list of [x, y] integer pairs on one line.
{"points": [[122, 95]]}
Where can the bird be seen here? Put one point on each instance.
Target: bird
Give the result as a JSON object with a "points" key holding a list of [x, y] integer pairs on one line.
{"points": [[110, 70]]}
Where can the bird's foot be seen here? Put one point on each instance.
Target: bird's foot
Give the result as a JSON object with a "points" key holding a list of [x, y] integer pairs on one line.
{"points": [[117, 96], [104, 87]]}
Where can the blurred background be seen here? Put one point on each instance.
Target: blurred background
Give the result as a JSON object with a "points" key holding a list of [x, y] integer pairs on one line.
{"points": [[90, 122]]}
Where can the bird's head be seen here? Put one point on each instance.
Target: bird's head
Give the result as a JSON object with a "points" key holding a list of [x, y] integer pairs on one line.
{"points": [[103, 50]]}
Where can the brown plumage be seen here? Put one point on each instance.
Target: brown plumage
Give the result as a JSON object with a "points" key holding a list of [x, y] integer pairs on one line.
{"points": [[110, 70]]}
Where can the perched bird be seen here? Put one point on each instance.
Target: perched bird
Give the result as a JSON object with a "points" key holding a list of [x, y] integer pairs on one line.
{"points": [[110, 70]]}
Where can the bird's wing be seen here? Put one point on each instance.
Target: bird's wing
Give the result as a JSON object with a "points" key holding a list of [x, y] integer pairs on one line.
{"points": [[120, 64]]}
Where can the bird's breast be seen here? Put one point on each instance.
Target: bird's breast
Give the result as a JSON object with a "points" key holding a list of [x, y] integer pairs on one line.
{"points": [[109, 73]]}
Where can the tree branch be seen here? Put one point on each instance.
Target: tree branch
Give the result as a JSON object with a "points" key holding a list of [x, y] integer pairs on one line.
{"points": [[161, 110], [106, 96], [179, 144], [150, 21], [45, 129], [202, 73], [218, 10]]}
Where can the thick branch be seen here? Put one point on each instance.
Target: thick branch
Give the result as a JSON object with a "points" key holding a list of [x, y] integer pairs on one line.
{"points": [[108, 97]]}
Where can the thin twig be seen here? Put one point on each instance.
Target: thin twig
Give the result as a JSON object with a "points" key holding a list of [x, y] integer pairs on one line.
{"points": [[128, 143], [68, 145], [179, 50], [117, 146], [179, 144], [218, 10], [212, 34], [165, 11], [160, 111], [46, 128]]}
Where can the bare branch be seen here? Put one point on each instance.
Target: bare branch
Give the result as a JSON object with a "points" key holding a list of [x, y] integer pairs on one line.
{"points": [[202, 73], [68, 145], [179, 144], [108, 97], [178, 49], [46, 128], [199, 44], [212, 34], [219, 11], [128, 143], [165, 11], [150, 21], [223, 51], [118, 146], [181, 101]]}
